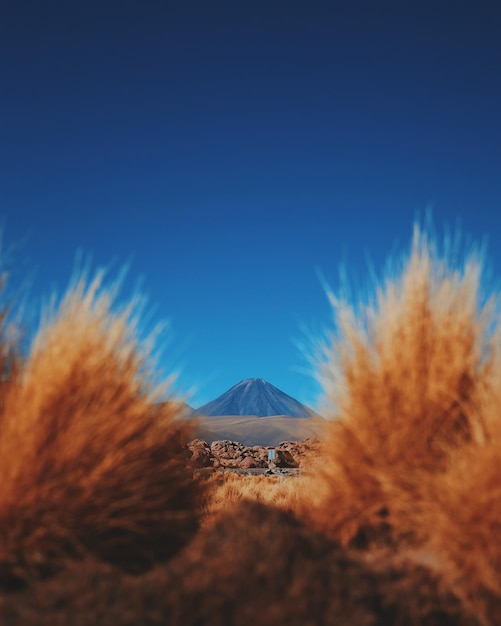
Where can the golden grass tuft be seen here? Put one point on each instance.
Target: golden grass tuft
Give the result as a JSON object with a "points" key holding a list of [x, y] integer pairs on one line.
{"points": [[89, 461], [404, 378]]}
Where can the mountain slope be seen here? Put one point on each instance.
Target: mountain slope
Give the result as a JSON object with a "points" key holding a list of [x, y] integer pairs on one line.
{"points": [[254, 396]]}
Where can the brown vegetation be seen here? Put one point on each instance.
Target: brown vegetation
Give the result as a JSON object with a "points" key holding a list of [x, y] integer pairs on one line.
{"points": [[88, 462], [399, 525], [404, 377], [256, 564], [292, 493], [463, 518], [413, 456]]}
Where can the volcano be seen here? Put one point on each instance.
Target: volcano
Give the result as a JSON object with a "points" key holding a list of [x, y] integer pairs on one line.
{"points": [[254, 396]]}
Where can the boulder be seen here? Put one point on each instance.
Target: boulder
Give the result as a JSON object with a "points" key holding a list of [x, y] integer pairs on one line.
{"points": [[227, 449], [251, 462], [283, 458], [301, 450], [200, 454]]}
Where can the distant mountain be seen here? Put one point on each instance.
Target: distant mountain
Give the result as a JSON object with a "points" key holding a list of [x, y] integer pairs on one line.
{"points": [[254, 396]]}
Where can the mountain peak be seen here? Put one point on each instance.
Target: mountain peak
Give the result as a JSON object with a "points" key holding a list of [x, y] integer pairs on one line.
{"points": [[254, 396]]}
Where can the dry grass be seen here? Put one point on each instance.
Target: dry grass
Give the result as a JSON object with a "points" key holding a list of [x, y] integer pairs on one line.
{"points": [[463, 520], [255, 564], [88, 462], [413, 456], [293, 493], [404, 377], [400, 526]]}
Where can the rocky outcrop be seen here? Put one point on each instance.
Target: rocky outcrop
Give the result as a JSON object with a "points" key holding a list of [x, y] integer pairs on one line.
{"points": [[227, 454], [231, 454]]}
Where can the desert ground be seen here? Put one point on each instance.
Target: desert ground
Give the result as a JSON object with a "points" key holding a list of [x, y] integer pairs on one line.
{"points": [[256, 431], [104, 520]]}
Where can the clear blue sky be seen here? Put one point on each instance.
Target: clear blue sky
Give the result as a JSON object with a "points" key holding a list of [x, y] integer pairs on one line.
{"points": [[230, 152]]}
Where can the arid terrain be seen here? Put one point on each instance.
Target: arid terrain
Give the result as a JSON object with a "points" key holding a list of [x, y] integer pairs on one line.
{"points": [[254, 431], [106, 518]]}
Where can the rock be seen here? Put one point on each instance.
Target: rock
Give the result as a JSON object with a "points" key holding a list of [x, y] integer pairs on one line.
{"points": [[301, 450], [200, 458], [227, 449], [283, 458], [234, 455], [198, 443], [250, 462], [200, 454]]}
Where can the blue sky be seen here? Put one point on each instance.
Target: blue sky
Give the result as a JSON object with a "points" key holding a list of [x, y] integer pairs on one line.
{"points": [[231, 153]]}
